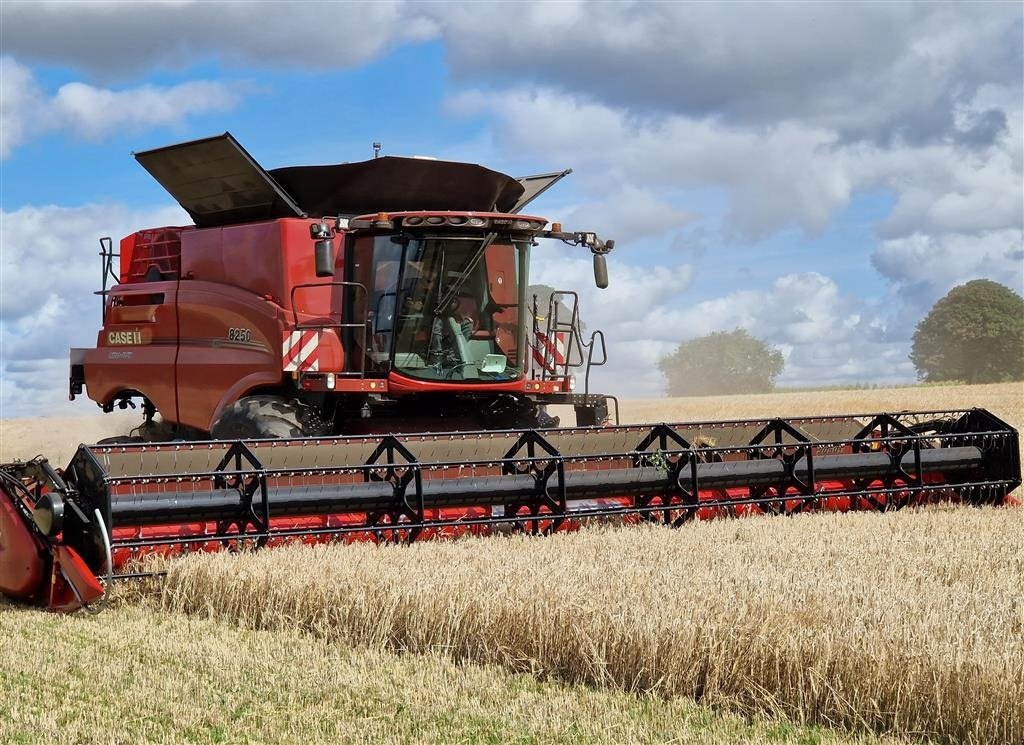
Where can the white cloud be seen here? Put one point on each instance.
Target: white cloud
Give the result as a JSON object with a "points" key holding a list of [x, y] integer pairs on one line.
{"points": [[630, 210], [826, 338], [90, 112], [21, 104], [963, 203], [49, 269], [948, 187], [630, 312], [120, 39], [799, 309], [865, 70], [925, 267], [95, 112], [774, 175]]}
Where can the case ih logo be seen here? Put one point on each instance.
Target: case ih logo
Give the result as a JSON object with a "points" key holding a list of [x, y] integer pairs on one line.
{"points": [[299, 351], [134, 336]]}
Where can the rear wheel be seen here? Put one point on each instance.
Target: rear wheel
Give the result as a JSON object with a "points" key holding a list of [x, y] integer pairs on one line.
{"points": [[259, 417]]}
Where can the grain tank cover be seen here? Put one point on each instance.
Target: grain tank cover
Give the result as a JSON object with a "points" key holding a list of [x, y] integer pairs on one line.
{"points": [[218, 182], [393, 184], [534, 186]]}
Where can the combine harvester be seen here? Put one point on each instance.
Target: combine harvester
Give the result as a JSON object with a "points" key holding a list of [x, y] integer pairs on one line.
{"points": [[313, 312]]}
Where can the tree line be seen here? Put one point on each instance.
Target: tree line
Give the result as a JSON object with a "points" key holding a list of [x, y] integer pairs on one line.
{"points": [[975, 334]]}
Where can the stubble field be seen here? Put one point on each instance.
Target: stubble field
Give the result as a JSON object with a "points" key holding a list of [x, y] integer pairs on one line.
{"points": [[820, 628]]}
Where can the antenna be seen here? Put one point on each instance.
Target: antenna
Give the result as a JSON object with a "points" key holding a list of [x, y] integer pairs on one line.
{"points": [[376, 150]]}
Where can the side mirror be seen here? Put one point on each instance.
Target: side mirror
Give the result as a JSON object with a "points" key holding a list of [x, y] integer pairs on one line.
{"points": [[323, 254], [600, 271]]}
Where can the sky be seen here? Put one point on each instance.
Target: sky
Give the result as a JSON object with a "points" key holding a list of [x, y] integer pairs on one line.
{"points": [[817, 173]]}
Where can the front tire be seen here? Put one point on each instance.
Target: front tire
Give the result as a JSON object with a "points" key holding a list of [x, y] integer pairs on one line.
{"points": [[259, 418]]}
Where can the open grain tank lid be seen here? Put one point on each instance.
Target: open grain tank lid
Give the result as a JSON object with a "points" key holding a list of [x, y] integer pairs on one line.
{"points": [[219, 183]]}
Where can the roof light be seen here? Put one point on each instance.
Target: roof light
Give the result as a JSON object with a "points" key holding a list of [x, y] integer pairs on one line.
{"points": [[477, 222], [415, 220]]}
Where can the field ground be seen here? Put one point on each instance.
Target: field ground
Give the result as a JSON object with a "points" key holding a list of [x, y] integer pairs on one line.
{"points": [[909, 623], [1005, 400], [134, 674]]}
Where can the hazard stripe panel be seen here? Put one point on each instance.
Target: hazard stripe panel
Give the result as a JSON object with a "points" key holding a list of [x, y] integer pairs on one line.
{"points": [[300, 351], [548, 353]]}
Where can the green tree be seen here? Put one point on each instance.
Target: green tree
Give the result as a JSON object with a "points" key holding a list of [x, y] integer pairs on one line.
{"points": [[974, 334], [722, 362]]}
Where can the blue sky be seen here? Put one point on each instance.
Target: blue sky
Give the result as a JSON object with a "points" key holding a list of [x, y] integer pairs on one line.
{"points": [[817, 173]]}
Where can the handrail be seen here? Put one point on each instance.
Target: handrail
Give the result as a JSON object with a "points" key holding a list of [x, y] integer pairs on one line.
{"points": [[590, 347], [296, 324], [107, 257]]}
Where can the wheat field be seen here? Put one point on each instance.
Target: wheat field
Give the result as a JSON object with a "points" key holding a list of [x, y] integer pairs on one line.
{"points": [[136, 674], [909, 623]]}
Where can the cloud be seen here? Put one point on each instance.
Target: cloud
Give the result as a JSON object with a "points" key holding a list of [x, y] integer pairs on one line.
{"points": [[95, 112], [865, 70], [21, 104], [90, 112], [636, 296], [925, 267], [872, 71], [49, 269], [630, 210], [826, 337], [774, 176], [117, 40]]}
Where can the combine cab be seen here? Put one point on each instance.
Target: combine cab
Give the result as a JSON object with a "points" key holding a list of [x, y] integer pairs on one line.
{"points": [[313, 312]]}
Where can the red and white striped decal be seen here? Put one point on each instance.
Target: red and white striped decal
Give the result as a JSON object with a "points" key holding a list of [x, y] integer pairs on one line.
{"points": [[300, 351], [548, 353]]}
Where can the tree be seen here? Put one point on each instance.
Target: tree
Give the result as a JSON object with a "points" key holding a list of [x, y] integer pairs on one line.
{"points": [[722, 362], [974, 334]]}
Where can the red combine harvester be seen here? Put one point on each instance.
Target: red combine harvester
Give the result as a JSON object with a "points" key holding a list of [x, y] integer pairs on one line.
{"points": [[314, 312]]}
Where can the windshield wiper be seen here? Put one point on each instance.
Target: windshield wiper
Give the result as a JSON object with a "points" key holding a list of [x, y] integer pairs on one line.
{"points": [[449, 295]]}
